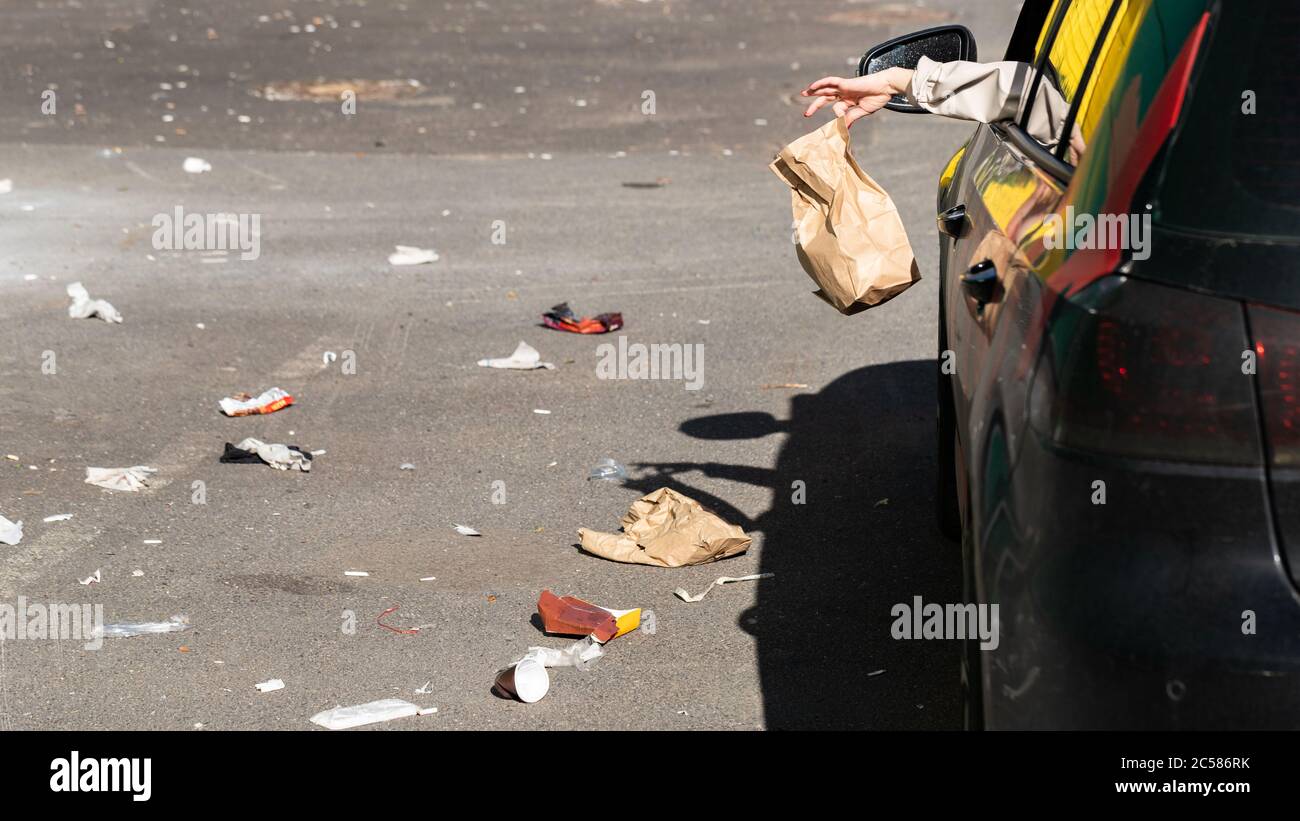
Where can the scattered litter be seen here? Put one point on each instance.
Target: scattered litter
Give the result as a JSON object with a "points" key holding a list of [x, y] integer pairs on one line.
{"points": [[243, 404], [11, 457], [466, 531], [580, 655], [571, 616], [375, 712], [667, 529], [780, 385], [61, 517], [426, 689], [410, 255], [406, 631], [687, 597], [83, 307], [875, 673], [280, 457], [541, 411], [526, 680], [429, 579], [525, 358], [127, 630], [881, 502], [318, 453], [93, 578], [562, 318], [426, 711], [270, 686], [659, 183], [608, 470], [406, 466], [153, 541], [332, 91], [355, 573], [137, 573], [124, 479], [196, 165], [11, 533]]}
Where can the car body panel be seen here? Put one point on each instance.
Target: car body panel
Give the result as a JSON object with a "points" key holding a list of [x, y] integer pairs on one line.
{"points": [[1129, 613]]}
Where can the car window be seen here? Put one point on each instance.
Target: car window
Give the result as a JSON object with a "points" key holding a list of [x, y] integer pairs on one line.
{"points": [[1234, 166], [1115, 105], [1130, 66], [1080, 36], [1116, 43], [1068, 53]]}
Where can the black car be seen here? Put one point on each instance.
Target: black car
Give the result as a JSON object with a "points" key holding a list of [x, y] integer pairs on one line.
{"points": [[1119, 340]]}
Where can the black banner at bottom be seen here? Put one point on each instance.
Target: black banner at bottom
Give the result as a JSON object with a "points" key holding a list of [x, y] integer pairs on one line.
{"points": [[140, 771]]}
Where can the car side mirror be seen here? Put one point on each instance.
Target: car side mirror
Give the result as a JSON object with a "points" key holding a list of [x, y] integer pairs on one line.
{"points": [[941, 44]]}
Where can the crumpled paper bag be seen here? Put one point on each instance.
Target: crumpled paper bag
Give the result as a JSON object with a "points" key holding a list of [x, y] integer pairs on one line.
{"points": [[667, 529], [850, 238]]}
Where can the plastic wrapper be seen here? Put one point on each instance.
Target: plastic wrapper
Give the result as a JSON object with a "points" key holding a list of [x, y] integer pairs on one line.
{"points": [[580, 655], [126, 630], [374, 712], [269, 401], [280, 457], [83, 307]]}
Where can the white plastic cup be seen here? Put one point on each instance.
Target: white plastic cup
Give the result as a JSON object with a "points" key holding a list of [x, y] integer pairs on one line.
{"points": [[527, 680]]}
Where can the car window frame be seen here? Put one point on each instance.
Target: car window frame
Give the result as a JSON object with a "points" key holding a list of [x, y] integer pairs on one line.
{"points": [[1049, 160], [1081, 93], [1040, 61]]}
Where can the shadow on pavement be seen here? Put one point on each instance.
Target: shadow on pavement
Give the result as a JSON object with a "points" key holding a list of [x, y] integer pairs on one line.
{"points": [[843, 558]]}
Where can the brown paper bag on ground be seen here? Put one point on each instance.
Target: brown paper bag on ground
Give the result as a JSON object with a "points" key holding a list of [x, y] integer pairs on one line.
{"points": [[850, 238], [667, 529]]}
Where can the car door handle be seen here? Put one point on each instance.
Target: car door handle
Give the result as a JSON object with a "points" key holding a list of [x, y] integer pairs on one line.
{"points": [[981, 280], [952, 221]]}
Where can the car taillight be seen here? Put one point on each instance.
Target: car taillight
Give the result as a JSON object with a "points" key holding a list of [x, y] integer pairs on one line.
{"points": [[1146, 371], [1277, 351]]}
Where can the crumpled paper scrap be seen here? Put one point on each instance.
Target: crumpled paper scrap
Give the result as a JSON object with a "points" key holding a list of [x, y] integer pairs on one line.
{"points": [[525, 358], [83, 307], [123, 479]]}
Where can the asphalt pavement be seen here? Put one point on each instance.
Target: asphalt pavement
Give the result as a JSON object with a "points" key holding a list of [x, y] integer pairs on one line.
{"points": [[501, 134]]}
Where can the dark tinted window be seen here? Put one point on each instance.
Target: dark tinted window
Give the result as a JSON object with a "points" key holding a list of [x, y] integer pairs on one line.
{"points": [[1232, 172]]}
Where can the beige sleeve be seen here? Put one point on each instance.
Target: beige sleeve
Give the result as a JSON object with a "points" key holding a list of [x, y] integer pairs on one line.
{"points": [[987, 93]]}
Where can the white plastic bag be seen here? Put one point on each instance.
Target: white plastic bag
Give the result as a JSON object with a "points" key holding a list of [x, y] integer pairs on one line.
{"points": [[375, 712]]}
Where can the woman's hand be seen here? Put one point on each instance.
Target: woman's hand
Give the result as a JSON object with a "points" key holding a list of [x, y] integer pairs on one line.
{"points": [[856, 98]]}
